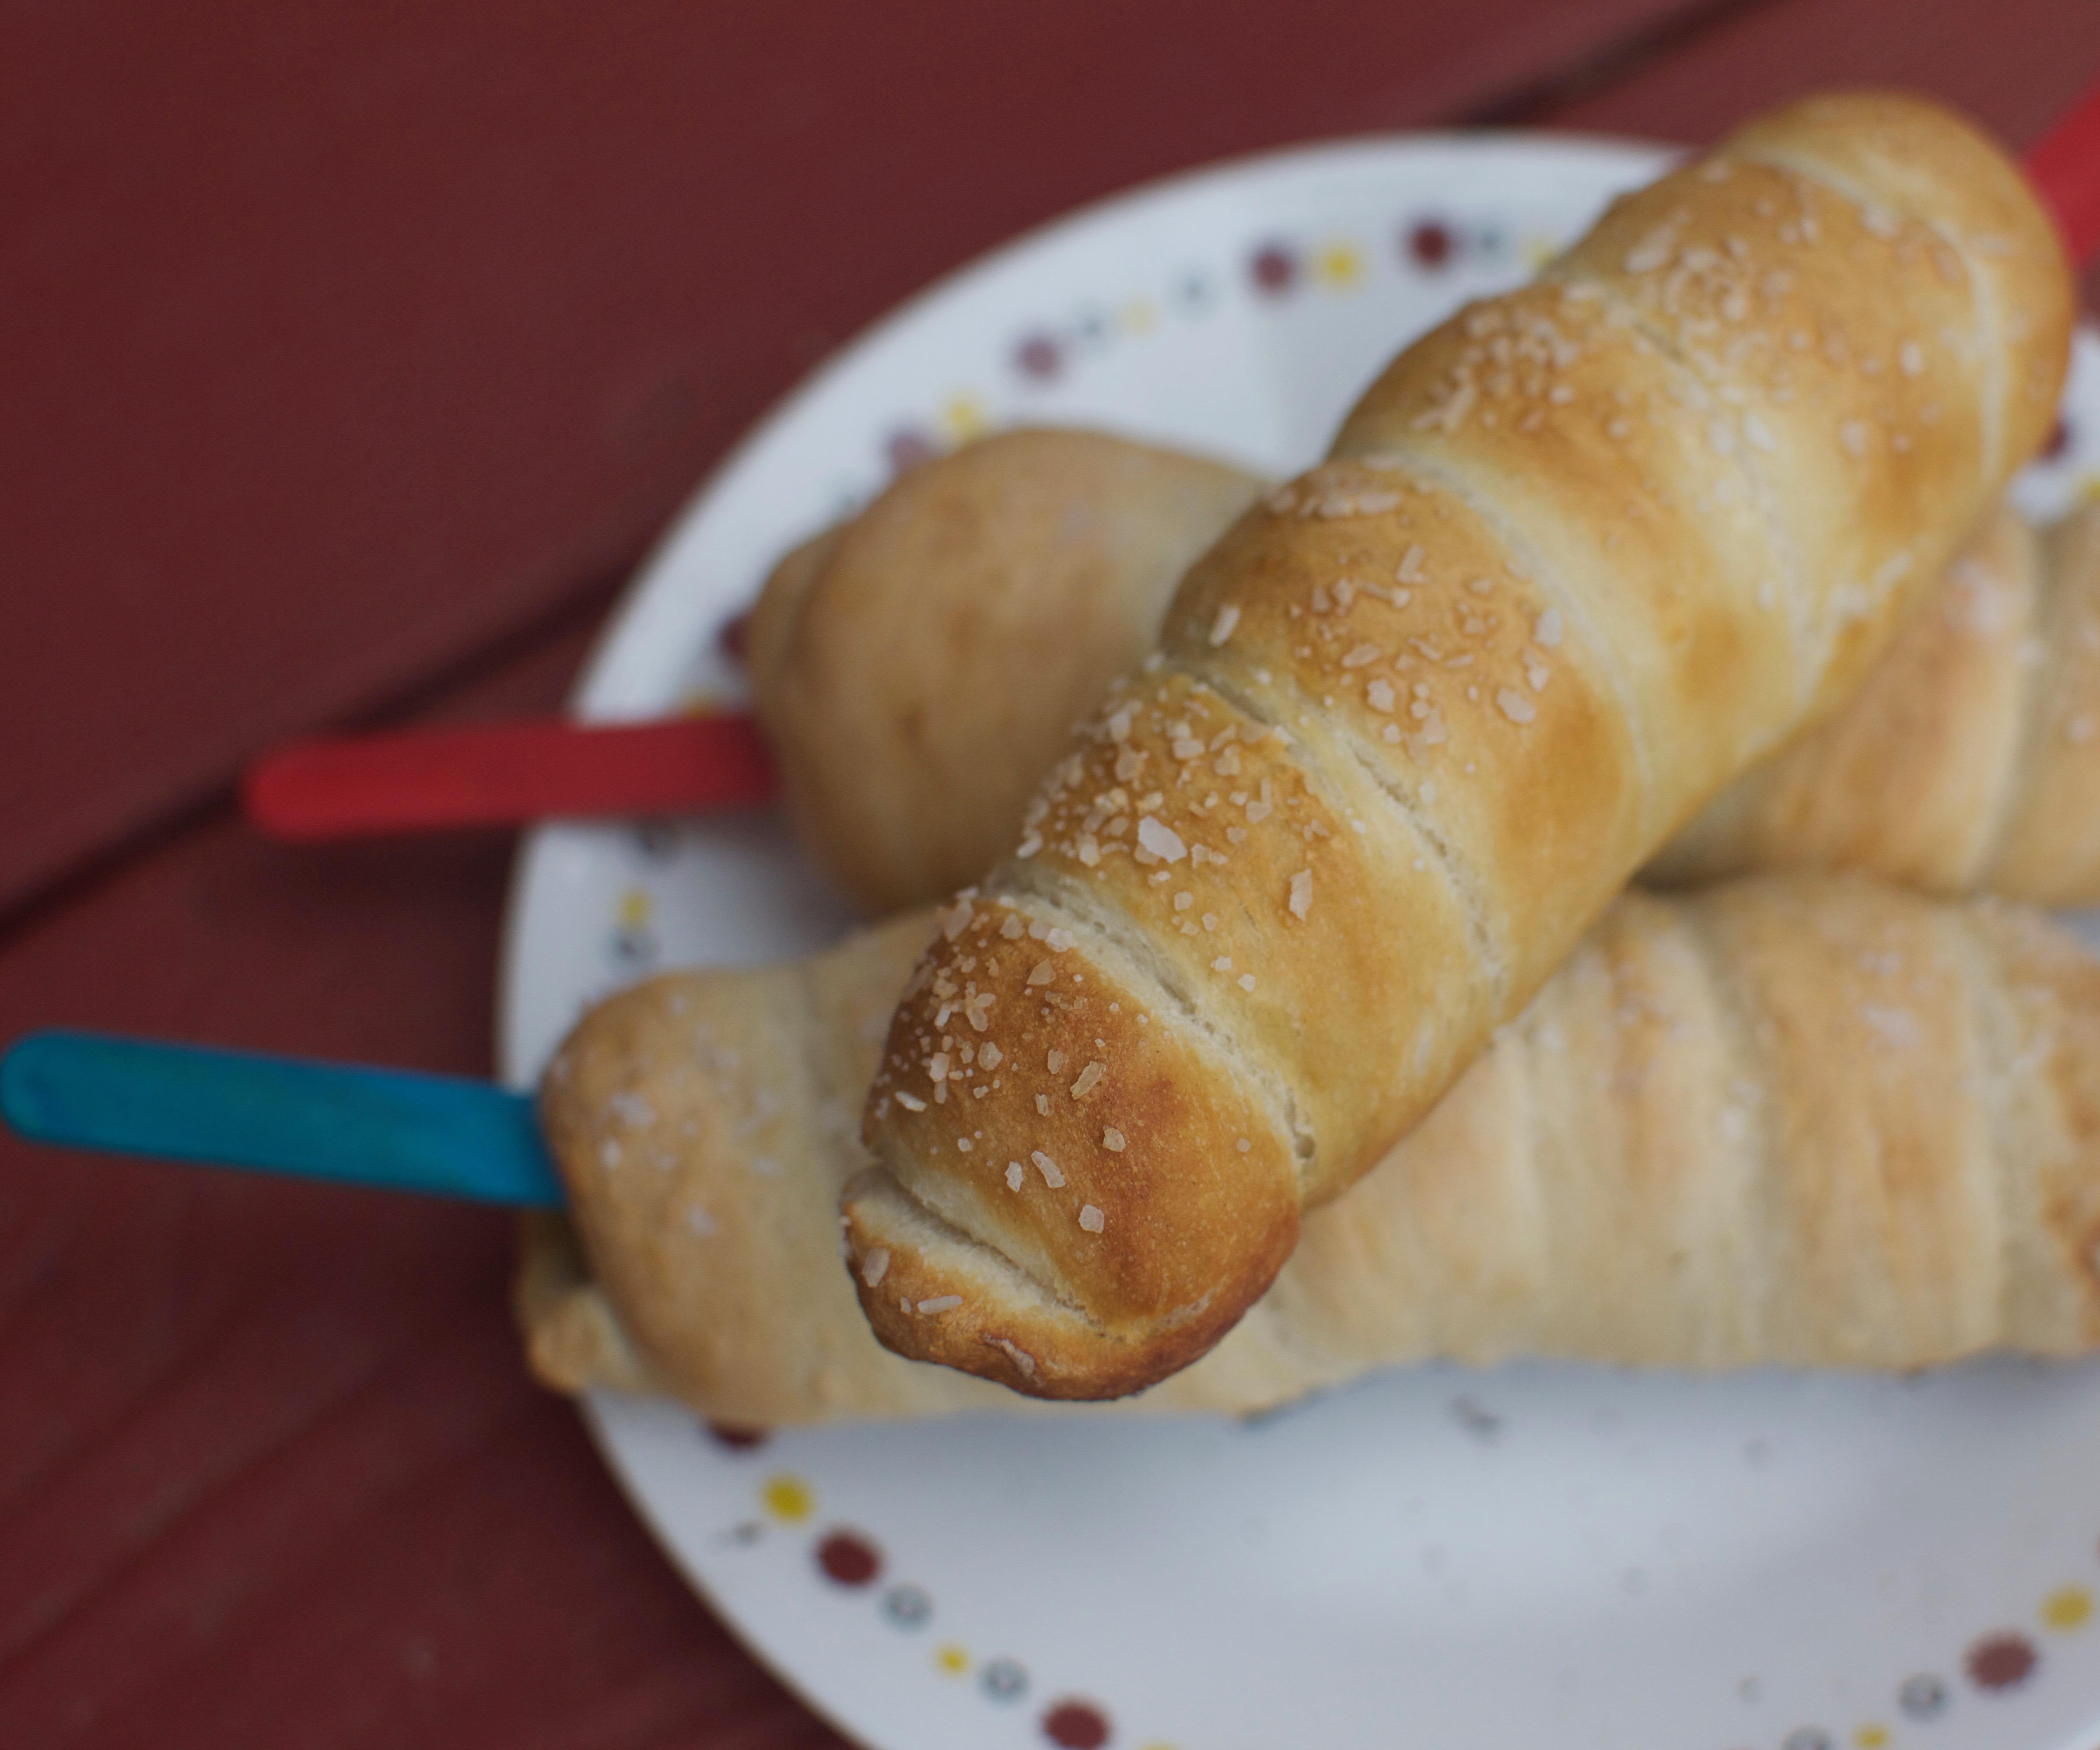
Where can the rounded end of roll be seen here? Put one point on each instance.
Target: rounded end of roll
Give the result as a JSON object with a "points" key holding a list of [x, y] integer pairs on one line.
{"points": [[932, 1293]]}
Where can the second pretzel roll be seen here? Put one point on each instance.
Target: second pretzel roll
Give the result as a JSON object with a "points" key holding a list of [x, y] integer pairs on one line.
{"points": [[1582, 555], [1801, 1120]]}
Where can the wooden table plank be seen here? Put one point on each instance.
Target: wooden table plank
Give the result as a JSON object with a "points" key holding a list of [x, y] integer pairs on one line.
{"points": [[273, 1469], [343, 337]]}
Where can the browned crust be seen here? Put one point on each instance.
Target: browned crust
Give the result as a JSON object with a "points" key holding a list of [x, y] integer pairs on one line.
{"points": [[1858, 457]]}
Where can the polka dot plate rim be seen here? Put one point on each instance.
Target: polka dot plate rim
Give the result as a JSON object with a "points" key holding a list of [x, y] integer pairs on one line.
{"points": [[1578, 1556]]}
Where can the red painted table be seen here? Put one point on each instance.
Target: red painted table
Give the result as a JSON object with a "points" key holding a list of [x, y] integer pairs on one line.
{"points": [[353, 352]]}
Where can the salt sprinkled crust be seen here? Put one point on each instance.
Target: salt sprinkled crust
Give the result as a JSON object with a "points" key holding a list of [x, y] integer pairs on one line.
{"points": [[1757, 567], [1968, 759]]}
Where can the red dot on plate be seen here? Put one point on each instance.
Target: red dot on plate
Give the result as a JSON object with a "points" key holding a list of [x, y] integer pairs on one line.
{"points": [[1430, 243], [726, 1434], [1076, 1726], [1999, 1661], [1273, 268], [1039, 357], [906, 449], [735, 636], [2059, 441], [849, 1558]]}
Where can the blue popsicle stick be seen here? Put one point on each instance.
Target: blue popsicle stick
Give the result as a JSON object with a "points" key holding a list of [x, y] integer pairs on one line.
{"points": [[392, 1128]]}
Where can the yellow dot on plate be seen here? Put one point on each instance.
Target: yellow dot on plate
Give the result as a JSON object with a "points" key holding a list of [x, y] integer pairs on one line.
{"points": [[2068, 1607], [1138, 317], [636, 907], [1538, 251], [952, 1660], [964, 418], [788, 1498], [1339, 265], [1871, 1737], [2089, 488]]}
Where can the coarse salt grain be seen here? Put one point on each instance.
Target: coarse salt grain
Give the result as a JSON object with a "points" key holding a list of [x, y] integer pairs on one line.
{"points": [[1015, 1174], [1052, 1175], [910, 1102], [1548, 628], [1163, 841], [1112, 1139], [941, 1303], [875, 1266], [1515, 707], [1091, 1218], [1301, 893], [1221, 627], [1090, 1079]]}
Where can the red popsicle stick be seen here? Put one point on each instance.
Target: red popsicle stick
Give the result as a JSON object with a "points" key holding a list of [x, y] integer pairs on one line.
{"points": [[2066, 168], [506, 774]]}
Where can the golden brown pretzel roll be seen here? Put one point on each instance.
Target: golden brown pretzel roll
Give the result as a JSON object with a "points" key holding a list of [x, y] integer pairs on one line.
{"points": [[1798, 1120], [918, 668], [1582, 555]]}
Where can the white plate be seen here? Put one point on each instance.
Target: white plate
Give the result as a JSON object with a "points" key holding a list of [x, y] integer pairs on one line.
{"points": [[1539, 1556]]}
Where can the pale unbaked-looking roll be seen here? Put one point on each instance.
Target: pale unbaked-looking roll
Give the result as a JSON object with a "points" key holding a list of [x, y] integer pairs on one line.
{"points": [[1797, 1120], [919, 667]]}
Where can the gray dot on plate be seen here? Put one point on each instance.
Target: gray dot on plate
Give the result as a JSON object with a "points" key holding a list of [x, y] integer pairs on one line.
{"points": [[907, 1607], [1922, 1697], [1482, 1423], [1004, 1680]]}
